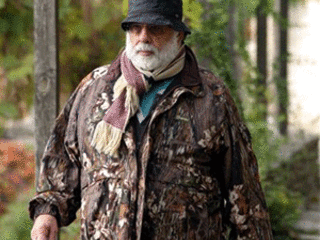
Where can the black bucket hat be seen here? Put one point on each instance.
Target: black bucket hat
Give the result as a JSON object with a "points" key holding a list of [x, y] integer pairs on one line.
{"points": [[156, 12]]}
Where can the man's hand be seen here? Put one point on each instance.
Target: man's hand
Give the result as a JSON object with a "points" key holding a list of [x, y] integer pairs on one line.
{"points": [[45, 227]]}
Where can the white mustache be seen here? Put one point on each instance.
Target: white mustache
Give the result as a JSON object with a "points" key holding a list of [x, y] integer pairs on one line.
{"points": [[145, 47]]}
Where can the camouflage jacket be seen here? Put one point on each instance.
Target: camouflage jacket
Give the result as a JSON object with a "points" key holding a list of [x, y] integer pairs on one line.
{"points": [[196, 176]]}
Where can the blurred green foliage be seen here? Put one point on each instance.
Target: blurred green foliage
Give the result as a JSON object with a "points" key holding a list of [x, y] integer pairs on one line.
{"points": [[89, 36], [284, 202], [212, 35], [16, 64], [16, 224]]}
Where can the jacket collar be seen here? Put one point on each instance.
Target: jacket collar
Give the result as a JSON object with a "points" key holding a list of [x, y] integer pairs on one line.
{"points": [[190, 76]]}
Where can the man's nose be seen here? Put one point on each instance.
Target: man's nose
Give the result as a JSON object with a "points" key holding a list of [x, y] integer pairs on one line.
{"points": [[144, 35]]}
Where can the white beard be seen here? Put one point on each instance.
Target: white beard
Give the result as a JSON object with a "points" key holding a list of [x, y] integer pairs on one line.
{"points": [[155, 61]]}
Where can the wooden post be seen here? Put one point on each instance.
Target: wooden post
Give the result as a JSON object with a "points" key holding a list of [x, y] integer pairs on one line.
{"points": [[46, 73]]}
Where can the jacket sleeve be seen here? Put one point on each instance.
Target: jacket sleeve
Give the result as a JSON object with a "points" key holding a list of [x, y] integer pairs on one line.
{"points": [[58, 185], [246, 208]]}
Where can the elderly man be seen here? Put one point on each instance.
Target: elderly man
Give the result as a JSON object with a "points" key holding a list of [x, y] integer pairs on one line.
{"points": [[151, 146]]}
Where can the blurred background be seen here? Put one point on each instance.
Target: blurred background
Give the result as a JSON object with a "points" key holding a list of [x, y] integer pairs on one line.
{"points": [[267, 52]]}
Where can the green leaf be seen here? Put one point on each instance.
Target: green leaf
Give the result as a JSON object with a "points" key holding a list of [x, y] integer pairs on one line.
{"points": [[28, 3], [249, 5], [82, 31], [125, 7], [10, 61], [2, 3], [101, 17], [192, 10], [20, 73], [24, 70], [8, 110], [17, 25], [64, 8], [4, 26]]}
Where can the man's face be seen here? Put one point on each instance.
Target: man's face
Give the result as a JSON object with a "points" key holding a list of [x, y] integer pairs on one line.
{"points": [[151, 47]]}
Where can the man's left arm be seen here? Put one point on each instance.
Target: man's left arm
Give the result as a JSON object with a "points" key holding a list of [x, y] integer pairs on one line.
{"points": [[246, 205]]}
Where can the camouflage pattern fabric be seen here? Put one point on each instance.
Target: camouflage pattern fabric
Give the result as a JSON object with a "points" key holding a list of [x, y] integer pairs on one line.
{"points": [[196, 176]]}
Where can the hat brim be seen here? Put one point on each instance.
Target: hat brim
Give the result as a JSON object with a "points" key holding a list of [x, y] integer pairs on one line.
{"points": [[155, 19]]}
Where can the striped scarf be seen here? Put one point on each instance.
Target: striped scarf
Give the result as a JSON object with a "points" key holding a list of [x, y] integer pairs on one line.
{"points": [[127, 89]]}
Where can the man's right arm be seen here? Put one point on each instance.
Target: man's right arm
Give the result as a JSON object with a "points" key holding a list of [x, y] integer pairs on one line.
{"points": [[58, 185]]}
